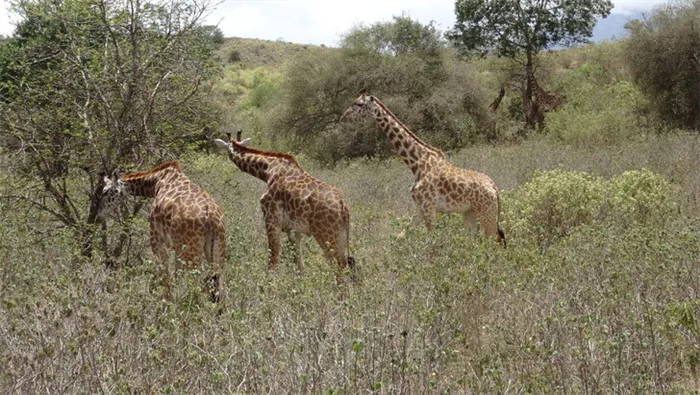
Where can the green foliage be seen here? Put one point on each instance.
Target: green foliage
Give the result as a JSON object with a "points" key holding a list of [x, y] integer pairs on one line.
{"points": [[213, 34], [513, 27], [555, 204], [663, 53], [89, 88], [597, 115], [234, 56], [262, 90], [403, 63]]}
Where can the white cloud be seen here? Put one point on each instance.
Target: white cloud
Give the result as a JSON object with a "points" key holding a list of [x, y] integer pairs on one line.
{"points": [[323, 21]]}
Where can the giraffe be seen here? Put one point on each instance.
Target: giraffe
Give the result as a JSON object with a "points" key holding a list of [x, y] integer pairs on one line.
{"points": [[536, 104], [439, 185], [295, 202], [183, 217], [545, 100]]}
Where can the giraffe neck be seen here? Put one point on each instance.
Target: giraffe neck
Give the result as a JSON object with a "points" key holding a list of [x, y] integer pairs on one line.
{"points": [[407, 145], [147, 184]]}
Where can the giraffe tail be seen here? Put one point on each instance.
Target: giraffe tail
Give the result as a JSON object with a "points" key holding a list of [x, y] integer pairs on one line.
{"points": [[501, 233], [213, 281], [350, 258]]}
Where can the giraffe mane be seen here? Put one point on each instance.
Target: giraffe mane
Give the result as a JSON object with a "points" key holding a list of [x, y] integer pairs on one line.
{"points": [[275, 154], [410, 133], [132, 176]]}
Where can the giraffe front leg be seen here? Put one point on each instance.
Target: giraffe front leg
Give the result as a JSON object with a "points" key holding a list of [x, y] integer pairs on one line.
{"points": [[272, 227], [424, 201]]}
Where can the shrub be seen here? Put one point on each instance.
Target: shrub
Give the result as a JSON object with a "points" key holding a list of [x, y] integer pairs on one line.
{"points": [[437, 97], [597, 114], [642, 196], [663, 53], [555, 204], [234, 56]]}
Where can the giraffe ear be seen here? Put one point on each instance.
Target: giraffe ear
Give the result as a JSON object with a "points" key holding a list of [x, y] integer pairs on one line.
{"points": [[371, 98], [116, 173], [222, 144]]}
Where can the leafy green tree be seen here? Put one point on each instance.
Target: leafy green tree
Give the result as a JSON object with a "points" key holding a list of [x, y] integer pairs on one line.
{"points": [[522, 28], [88, 86], [663, 54]]}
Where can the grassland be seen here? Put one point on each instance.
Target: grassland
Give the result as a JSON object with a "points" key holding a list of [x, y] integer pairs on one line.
{"points": [[609, 306]]}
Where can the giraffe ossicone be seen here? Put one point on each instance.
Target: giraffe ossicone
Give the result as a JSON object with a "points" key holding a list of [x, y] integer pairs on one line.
{"points": [[439, 186]]}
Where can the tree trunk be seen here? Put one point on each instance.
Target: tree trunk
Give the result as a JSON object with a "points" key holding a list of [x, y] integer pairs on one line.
{"points": [[534, 116]]}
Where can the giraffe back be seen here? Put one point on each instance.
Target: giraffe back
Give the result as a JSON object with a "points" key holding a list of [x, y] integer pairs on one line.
{"points": [[306, 204], [186, 216]]}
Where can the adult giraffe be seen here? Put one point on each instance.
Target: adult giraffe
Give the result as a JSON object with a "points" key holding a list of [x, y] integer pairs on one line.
{"points": [[439, 185], [295, 202], [183, 217]]}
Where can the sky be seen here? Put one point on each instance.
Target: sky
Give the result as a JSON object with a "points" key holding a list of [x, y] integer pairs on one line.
{"points": [[323, 21]]}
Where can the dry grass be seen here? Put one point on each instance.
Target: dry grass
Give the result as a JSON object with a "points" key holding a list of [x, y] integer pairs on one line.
{"points": [[610, 309]]}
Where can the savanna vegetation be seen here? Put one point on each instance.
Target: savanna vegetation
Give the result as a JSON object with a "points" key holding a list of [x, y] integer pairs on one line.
{"points": [[597, 291]]}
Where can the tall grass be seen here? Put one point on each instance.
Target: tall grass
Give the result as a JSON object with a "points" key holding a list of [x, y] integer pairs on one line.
{"points": [[610, 306]]}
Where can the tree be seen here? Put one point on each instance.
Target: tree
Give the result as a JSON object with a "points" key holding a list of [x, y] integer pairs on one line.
{"points": [[88, 86], [523, 28], [663, 54]]}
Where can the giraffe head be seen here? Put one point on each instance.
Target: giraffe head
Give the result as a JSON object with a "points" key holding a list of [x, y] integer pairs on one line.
{"points": [[112, 194], [363, 105], [229, 146]]}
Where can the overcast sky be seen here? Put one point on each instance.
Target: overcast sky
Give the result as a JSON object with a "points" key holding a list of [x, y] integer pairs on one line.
{"points": [[322, 21]]}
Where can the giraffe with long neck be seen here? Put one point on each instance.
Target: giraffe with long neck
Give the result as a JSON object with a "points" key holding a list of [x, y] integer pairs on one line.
{"points": [[183, 217], [296, 203], [439, 185]]}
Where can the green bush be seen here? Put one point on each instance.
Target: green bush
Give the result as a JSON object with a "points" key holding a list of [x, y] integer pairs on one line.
{"points": [[597, 115], [438, 97], [234, 56], [262, 90], [555, 204], [642, 196]]}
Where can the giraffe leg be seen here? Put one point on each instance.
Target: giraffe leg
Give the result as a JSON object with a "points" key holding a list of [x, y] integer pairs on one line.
{"points": [[160, 252], [470, 221], [295, 238], [273, 229], [428, 213], [424, 202], [489, 221], [215, 283], [214, 236], [331, 250]]}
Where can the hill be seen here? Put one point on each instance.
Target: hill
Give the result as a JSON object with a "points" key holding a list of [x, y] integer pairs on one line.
{"points": [[255, 53]]}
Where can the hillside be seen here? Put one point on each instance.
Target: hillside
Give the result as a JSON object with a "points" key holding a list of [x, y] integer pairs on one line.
{"points": [[255, 53]]}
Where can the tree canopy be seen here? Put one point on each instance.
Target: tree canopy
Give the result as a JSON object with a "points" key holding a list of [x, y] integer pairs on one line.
{"points": [[510, 28], [517, 28], [87, 86], [663, 54]]}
